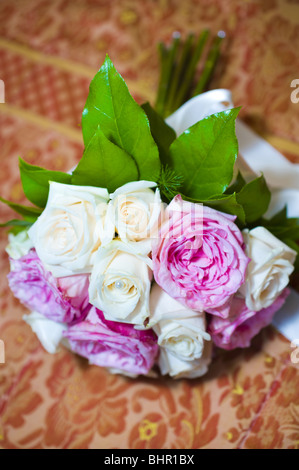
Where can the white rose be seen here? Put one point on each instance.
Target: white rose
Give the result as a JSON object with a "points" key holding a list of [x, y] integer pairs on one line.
{"points": [[48, 331], [185, 346], [269, 269], [120, 284], [19, 245], [71, 228], [135, 211], [178, 369]]}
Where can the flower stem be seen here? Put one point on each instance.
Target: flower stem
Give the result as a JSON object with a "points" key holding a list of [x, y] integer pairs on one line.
{"points": [[209, 64], [162, 56], [178, 74], [178, 64], [167, 59], [189, 75]]}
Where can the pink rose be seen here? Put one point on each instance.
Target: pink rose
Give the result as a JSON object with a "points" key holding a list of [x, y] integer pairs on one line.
{"points": [[62, 299], [243, 324], [199, 258], [113, 344]]}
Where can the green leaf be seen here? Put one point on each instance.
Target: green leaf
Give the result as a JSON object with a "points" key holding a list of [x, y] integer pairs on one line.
{"points": [[237, 185], [30, 213], [281, 226], [254, 198], [163, 134], [224, 203], [288, 231], [16, 223], [35, 181], [280, 218], [248, 205], [230, 205], [110, 106], [104, 164], [205, 155]]}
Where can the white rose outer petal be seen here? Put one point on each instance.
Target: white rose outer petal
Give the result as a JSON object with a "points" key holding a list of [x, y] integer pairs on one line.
{"points": [[48, 332], [272, 263], [133, 186], [71, 228], [120, 284]]}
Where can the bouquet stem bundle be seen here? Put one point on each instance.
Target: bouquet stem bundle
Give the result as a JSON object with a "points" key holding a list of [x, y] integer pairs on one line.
{"points": [[178, 65]]}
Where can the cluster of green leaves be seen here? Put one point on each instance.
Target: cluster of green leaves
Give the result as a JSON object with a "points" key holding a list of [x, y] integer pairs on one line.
{"points": [[200, 164], [28, 213], [126, 142]]}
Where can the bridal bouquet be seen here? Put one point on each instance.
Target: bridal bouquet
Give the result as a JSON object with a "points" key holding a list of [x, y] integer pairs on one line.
{"points": [[154, 249]]}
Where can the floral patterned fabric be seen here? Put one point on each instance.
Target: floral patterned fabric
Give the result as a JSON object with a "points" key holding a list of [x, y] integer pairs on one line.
{"points": [[49, 51]]}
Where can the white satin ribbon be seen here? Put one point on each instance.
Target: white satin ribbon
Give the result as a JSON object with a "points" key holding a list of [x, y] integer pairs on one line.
{"points": [[256, 156]]}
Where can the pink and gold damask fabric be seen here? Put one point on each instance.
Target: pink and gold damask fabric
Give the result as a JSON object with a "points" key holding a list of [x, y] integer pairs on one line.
{"points": [[49, 51]]}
